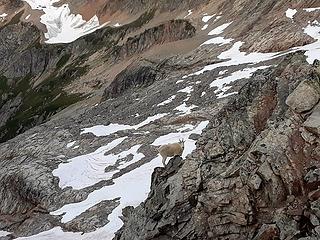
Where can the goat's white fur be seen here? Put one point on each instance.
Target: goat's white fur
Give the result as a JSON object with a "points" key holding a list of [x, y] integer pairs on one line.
{"points": [[171, 150]]}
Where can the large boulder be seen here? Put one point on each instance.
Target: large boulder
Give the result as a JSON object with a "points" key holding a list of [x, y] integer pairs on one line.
{"points": [[305, 96]]}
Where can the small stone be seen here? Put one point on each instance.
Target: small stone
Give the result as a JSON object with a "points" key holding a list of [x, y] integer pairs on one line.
{"points": [[313, 176], [210, 235], [216, 151], [266, 171], [255, 181], [290, 199], [307, 136], [314, 220]]}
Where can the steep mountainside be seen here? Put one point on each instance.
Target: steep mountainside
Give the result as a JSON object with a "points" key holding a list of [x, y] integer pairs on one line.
{"points": [[89, 90]]}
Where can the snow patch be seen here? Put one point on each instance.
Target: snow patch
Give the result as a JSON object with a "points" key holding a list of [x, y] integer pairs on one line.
{"points": [[235, 57], [222, 72], [290, 13], [189, 13], [206, 18], [205, 27], [3, 17], [87, 170], [220, 29], [169, 100], [4, 233], [221, 83], [217, 40], [179, 81], [124, 187], [102, 130], [311, 9], [183, 108], [188, 90], [313, 49], [69, 145]]}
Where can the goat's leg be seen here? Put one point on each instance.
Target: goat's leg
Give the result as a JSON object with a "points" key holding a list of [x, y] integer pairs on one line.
{"points": [[164, 160]]}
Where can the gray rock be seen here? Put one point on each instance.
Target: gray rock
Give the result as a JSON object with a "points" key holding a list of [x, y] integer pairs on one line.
{"points": [[255, 181], [313, 121], [305, 96], [317, 231], [314, 220], [313, 176], [267, 231]]}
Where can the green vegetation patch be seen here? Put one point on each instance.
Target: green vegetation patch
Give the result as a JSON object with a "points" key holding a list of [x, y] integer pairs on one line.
{"points": [[4, 84], [41, 102]]}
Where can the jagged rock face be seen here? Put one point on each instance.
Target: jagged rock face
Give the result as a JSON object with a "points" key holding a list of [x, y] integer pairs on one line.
{"points": [[15, 38], [168, 32], [136, 76], [253, 175]]}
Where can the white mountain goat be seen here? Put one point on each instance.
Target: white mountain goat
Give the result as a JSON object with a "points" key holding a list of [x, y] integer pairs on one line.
{"points": [[171, 150]]}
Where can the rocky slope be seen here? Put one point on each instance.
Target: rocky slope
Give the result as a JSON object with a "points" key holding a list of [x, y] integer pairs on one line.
{"points": [[33, 76], [255, 173], [80, 122]]}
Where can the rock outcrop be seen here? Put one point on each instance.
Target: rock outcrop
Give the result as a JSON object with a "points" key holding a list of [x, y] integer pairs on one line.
{"points": [[138, 76]]}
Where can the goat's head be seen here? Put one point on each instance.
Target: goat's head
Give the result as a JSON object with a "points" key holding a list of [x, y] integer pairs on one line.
{"points": [[181, 142]]}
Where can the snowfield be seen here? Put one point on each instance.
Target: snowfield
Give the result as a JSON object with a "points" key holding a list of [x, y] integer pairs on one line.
{"points": [[132, 188], [62, 25]]}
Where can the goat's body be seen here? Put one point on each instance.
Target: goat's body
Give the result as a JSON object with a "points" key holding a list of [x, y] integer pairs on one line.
{"points": [[170, 150]]}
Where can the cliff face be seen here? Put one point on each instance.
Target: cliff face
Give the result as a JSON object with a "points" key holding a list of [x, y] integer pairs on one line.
{"points": [[81, 122], [254, 174]]}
